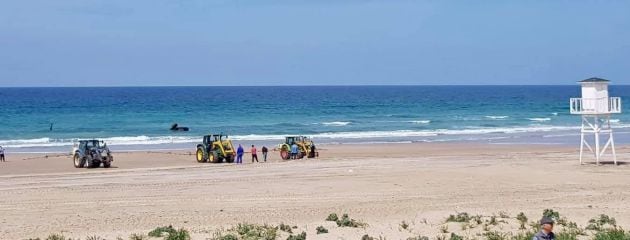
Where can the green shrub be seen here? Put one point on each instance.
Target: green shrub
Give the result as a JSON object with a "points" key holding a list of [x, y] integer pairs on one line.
{"points": [[159, 231], [456, 237], [460, 217], [181, 234], [612, 234], [522, 219], [136, 236], [332, 217], [286, 228], [55, 236], [550, 213], [367, 237], [346, 221], [524, 236], [251, 231], [321, 230], [418, 238], [598, 224], [404, 225], [566, 236], [494, 235], [301, 236]]}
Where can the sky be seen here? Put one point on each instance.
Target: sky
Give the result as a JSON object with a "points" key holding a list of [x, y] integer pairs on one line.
{"points": [[323, 42]]}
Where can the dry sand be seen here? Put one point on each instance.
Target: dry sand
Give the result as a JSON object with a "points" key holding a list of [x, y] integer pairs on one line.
{"points": [[381, 185]]}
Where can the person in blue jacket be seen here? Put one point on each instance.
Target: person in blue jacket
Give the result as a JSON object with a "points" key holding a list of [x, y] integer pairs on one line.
{"points": [[294, 151], [239, 154]]}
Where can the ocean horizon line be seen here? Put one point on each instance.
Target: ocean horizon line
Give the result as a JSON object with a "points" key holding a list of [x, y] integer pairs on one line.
{"points": [[323, 85]]}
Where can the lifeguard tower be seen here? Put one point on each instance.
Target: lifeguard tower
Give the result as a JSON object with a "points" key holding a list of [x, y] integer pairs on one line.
{"points": [[595, 107]]}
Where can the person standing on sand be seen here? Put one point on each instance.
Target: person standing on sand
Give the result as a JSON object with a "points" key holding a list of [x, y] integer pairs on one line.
{"points": [[2, 154], [254, 154], [294, 151], [546, 232], [264, 152], [239, 154]]}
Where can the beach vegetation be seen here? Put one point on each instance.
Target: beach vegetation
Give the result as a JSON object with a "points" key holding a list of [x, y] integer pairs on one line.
{"points": [[503, 214], [495, 235], [162, 231], [346, 221], [181, 234], [251, 231], [321, 230], [94, 238], [456, 237], [460, 217], [136, 236], [600, 223], [444, 228], [368, 237], [550, 213], [418, 238], [332, 217], [301, 236], [285, 228], [522, 219], [615, 233], [404, 225]]}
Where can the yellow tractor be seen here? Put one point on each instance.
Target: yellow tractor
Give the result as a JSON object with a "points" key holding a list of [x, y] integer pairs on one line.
{"points": [[306, 147], [215, 149]]}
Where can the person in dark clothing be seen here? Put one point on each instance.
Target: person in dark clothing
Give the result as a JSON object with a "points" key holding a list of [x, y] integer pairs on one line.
{"points": [[546, 232], [254, 154], [2, 154], [239, 154], [313, 152], [264, 152]]}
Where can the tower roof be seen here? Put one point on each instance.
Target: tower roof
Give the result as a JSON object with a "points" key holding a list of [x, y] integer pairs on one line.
{"points": [[594, 79]]}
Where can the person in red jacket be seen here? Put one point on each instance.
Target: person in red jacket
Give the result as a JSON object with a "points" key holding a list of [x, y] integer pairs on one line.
{"points": [[254, 154]]}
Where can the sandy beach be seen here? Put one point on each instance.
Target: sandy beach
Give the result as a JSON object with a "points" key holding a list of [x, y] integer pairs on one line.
{"points": [[381, 185]]}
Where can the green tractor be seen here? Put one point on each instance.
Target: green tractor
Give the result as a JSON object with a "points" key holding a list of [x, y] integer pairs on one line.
{"points": [[215, 149], [306, 147]]}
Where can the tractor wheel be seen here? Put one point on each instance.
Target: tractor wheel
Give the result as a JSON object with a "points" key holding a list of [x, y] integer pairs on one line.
{"points": [[107, 163], [214, 158], [95, 163], [201, 155], [229, 159], [88, 161], [284, 154], [78, 161], [300, 155]]}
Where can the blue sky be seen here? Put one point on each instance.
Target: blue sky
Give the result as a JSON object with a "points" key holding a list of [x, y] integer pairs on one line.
{"points": [[324, 42]]}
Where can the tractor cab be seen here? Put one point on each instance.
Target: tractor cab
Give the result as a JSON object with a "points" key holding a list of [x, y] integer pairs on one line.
{"points": [[89, 144]]}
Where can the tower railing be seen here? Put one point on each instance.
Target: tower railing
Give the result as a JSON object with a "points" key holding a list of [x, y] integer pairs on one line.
{"points": [[595, 105]]}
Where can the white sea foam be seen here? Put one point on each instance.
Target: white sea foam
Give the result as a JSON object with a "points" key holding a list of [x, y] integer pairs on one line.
{"points": [[335, 123], [539, 119], [330, 136], [554, 113], [420, 121], [497, 117], [615, 120]]}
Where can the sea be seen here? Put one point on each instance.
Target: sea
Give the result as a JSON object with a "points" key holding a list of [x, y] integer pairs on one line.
{"points": [[41, 120]]}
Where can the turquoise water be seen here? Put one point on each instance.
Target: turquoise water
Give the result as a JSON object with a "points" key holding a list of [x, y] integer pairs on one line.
{"points": [[136, 118]]}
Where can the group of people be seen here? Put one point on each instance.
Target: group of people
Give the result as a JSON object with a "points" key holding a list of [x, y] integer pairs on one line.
{"points": [[254, 151], [240, 151]]}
